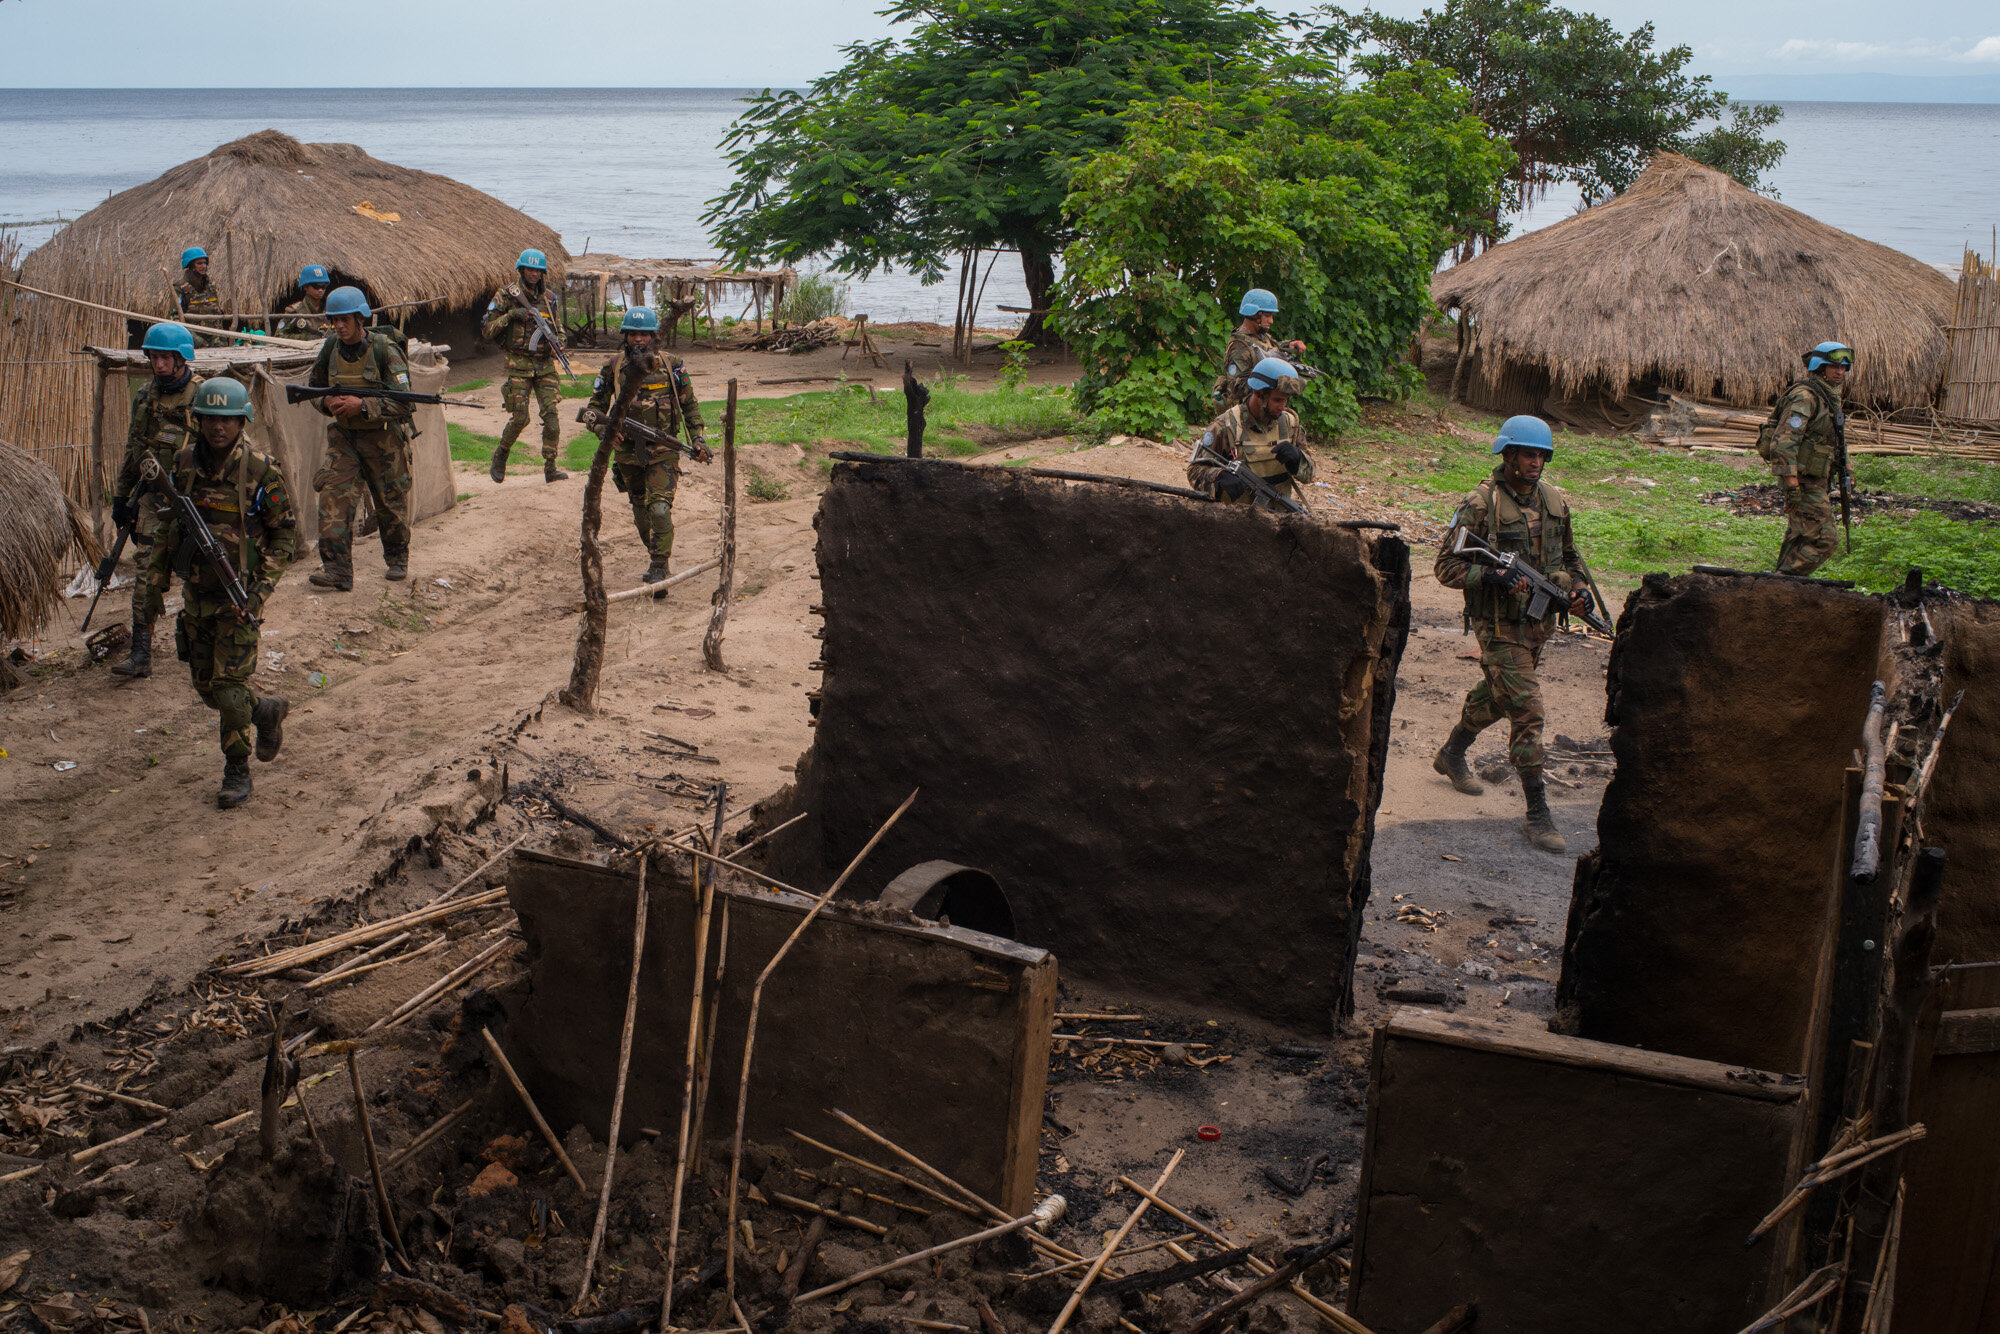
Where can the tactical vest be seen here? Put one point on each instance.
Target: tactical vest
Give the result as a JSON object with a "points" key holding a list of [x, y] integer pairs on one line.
{"points": [[1258, 446], [367, 371], [304, 318], [1511, 528], [229, 503], [1233, 386], [518, 332], [1817, 448], [163, 419], [208, 301]]}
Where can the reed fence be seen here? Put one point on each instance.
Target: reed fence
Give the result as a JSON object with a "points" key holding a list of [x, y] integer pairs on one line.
{"points": [[1972, 375]]}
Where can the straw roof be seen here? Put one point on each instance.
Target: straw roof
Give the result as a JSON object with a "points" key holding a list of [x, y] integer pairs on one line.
{"points": [[44, 532], [1695, 281], [265, 205]]}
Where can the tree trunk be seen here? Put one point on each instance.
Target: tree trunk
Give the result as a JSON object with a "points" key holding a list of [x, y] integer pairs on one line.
{"points": [[581, 692], [711, 643], [1039, 270]]}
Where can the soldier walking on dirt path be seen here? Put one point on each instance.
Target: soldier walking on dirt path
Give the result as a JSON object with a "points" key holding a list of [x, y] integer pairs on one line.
{"points": [[1262, 431], [1803, 441], [1250, 343], [195, 295], [161, 426], [241, 495], [304, 318], [367, 442], [1513, 511], [647, 472], [531, 363]]}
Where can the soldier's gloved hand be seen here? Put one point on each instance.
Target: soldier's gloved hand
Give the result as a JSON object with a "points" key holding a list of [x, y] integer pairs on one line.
{"points": [[125, 513], [1579, 600], [1289, 455], [1231, 487], [702, 453]]}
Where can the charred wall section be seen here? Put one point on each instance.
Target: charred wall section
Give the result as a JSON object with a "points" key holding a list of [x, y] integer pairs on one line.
{"points": [[1160, 723], [1963, 814]]}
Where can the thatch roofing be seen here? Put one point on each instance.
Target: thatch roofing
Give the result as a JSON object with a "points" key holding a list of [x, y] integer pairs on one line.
{"points": [[43, 532], [1694, 280], [266, 204]]}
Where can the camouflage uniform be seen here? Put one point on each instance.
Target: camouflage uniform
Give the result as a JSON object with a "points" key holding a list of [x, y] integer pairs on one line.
{"points": [[205, 300], [245, 504], [371, 450], [1244, 352], [1239, 434], [648, 473], [1510, 645], [303, 319], [160, 427], [531, 375], [1804, 443]]}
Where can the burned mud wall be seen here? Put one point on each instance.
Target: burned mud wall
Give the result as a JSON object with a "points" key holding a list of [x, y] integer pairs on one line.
{"points": [[1700, 923], [1963, 811], [1568, 1187], [1160, 722], [935, 1036]]}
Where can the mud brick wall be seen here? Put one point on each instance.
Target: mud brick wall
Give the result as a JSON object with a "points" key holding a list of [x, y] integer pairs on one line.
{"points": [[934, 1036], [1569, 1187], [1963, 813], [1160, 723], [1700, 922]]}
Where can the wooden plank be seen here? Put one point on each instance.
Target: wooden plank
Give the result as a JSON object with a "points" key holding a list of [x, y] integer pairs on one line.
{"points": [[1433, 1026], [1968, 1032], [1030, 1088]]}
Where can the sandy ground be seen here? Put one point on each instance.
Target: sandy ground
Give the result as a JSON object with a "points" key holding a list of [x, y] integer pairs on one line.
{"points": [[123, 882]]}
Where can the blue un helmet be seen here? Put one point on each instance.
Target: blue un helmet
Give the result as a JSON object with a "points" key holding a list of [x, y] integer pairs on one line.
{"points": [[191, 254], [347, 301], [1271, 373], [532, 259], [640, 319], [314, 275], [1528, 433], [1830, 354], [169, 337], [1257, 301], [223, 397]]}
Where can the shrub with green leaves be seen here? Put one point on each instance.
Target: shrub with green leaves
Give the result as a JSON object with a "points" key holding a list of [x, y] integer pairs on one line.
{"points": [[1339, 200], [816, 296]]}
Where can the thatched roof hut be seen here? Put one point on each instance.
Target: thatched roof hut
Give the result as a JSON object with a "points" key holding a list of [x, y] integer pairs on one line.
{"points": [[266, 204], [44, 532], [1691, 281]]}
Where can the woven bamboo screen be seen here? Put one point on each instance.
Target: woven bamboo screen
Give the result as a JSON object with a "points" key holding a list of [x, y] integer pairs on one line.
{"points": [[1972, 380]]}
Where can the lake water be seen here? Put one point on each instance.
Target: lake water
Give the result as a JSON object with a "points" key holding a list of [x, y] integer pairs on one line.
{"points": [[1913, 176]]}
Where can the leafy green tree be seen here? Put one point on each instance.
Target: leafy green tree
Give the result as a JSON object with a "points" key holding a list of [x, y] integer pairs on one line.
{"points": [[1341, 201], [961, 134], [1575, 99]]}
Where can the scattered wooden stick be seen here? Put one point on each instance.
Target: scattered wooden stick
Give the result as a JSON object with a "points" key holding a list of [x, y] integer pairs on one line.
{"points": [[340, 970], [750, 1028], [844, 1188], [23, 1174], [690, 1058], [352, 973], [795, 1273], [382, 1204], [618, 1091], [1111, 1246], [794, 1202], [1832, 1166], [1457, 1320], [85, 1155], [1102, 1018], [1167, 1245], [1172, 1274], [708, 856], [425, 1140], [896, 1177], [1044, 1215], [1812, 1290], [548, 1135], [481, 869], [1277, 1278], [702, 1078], [1125, 1042], [279, 960], [155, 1108], [660, 589], [450, 982]]}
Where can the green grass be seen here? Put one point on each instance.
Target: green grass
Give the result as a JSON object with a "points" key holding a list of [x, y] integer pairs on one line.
{"points": [[1627, 529], [958, 421], [468, 387], [468, 445]]}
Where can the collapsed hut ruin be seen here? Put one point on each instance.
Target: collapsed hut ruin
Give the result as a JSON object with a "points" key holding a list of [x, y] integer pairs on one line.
{"points": [[1688, 281], [706, 288], [45, 533]]}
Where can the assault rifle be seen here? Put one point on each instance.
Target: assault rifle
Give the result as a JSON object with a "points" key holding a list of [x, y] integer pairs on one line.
{"points": [[545, 332], [196, 533], [638, 430], [1846, 477], [1261, 489], [105, 568], [301, 393], [1540, 591]]}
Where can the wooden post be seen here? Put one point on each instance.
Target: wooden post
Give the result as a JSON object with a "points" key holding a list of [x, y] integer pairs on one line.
{"points": [[711, 643], [1464, 345], [705, 905], [618, 1092], [581, 692], [915, 398], [101, 519]]}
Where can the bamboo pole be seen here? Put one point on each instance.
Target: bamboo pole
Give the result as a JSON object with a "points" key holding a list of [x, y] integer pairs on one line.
{"points": [[690, 1060], [292, 343], [618, 1093], [534, 1112], [711, 643], [1111, 1246], [382, 1204]]}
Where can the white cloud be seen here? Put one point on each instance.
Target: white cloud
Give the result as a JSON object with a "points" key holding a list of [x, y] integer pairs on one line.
{"points": [[1985, 49]]}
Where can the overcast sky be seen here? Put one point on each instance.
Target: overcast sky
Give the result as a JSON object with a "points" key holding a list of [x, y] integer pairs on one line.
{"points": [[739, 43]]}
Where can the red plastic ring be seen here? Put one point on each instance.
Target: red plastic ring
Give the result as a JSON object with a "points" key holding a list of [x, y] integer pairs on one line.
{"points": [[1208, 1132]]}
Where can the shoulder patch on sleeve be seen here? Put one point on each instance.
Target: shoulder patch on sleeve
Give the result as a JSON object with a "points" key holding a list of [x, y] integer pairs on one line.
{"points": [[1796, 420]]}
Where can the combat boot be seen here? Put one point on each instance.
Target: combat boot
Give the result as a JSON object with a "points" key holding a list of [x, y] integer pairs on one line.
{"points": [[551, 473], [498, 472], [140, 661], [336, 577], [269, 715], [655, 572], [1540, 826], [1450, 761], [235, 782], [397, 565]]}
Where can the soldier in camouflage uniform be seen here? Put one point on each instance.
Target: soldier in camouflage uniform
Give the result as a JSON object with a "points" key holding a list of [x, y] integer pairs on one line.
{"points": [[241, 496], [367, 442], [195, 295], [160, 427], [1803, 441], [1262, 431], [1249, 344], [1514, 510], [648, 473], [305, 318], [531, 371]]}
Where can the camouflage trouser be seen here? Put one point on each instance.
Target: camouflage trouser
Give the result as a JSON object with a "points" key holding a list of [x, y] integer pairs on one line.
{"points": [[221, 653], [1809, 535], [147, 601], [543, 387], [378, 460], [1509, 654], [650, 488]]}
